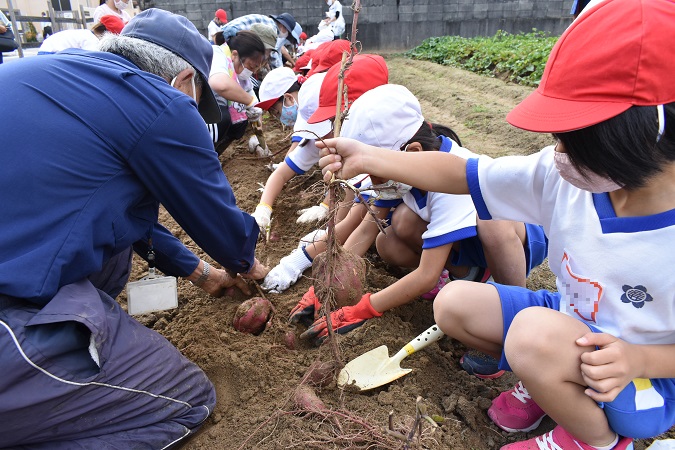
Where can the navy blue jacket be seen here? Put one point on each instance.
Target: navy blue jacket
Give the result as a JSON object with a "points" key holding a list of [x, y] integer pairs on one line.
{"points": [[90, 146]]}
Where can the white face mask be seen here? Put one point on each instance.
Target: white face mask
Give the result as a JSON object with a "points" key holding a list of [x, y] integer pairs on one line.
{"points": [[592, 182], [283, 35], [245, 74], [121, 5], [194, 89]]}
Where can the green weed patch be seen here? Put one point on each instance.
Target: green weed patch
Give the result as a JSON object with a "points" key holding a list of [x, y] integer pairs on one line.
{"points": [[519, 58]]}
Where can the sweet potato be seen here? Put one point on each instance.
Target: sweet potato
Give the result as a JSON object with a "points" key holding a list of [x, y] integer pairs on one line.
{"points": [[348, 277], [320, 373], [252, 315], [306, 399]]}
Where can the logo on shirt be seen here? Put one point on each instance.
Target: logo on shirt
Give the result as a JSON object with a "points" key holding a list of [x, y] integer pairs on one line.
{"points": [[637, 295], [581, 293]]}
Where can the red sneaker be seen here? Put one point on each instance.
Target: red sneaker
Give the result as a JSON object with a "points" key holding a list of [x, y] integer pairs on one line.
{"points": [[559, 439], [514, 410]]}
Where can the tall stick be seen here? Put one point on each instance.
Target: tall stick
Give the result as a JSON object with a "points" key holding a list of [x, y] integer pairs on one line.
{"points": [[331, 242]]}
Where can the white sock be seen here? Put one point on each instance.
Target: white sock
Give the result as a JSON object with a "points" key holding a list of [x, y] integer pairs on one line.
{"points": [[611, 444]]}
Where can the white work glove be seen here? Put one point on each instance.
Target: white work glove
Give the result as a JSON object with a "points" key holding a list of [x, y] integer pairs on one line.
{"points": [[287, 272], [255, 147], [311, 237], [313, 214], [263, 216], [253, 113]]}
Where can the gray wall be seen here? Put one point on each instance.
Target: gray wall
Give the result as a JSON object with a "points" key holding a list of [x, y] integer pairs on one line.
{"points": [[397, 24]]}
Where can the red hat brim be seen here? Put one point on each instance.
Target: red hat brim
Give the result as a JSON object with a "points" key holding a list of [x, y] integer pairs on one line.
{"points": [[545, 114], [322, 113], [267, 104]]}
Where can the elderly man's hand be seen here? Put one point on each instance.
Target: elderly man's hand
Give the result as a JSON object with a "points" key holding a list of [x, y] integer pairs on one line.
{"points": [[220, 280]]}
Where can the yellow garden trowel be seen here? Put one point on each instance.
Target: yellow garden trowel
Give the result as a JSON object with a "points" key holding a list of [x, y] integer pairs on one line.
{"points": [[375, 368]]}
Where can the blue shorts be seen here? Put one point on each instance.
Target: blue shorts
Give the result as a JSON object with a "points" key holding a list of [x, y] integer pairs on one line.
{"points": [[645, 408], [471, 250]]}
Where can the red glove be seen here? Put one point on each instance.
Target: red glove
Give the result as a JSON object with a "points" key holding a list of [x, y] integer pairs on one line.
{"points": [[343, 320], [307, 310]]}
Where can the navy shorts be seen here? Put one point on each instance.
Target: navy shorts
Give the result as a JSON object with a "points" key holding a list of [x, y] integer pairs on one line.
{"points": [[471, 250], [645, 408]]}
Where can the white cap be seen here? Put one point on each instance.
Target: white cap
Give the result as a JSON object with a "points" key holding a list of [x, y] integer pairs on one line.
{"points": [[387, 116], [274, 85], [308, 101]]}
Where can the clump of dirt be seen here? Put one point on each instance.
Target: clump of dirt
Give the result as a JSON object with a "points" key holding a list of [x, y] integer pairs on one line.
{"points": [[256, 376]]}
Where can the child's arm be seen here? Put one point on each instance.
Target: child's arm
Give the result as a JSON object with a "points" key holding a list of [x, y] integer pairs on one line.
{"points": [[403, 291], [347, 158], [290, 268], [364, 235], [274, 185], [416, 283]]}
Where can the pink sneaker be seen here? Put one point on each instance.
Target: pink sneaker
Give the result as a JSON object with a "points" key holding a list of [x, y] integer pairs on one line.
{"points": [[559, 439], [442, 281], [514, 410]]}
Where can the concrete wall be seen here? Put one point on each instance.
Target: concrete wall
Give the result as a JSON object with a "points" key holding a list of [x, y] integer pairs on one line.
{"points": [[398, 24]]}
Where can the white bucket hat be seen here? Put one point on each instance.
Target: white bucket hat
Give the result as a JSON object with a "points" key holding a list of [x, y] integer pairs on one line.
{"points": [[387, 116]]}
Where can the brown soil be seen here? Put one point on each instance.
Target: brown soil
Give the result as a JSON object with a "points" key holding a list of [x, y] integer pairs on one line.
{"points": [[256, 376]]}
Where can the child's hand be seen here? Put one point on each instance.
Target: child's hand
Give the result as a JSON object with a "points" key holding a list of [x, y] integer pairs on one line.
{"points": [[341, 156], [307, 309], [343, 320], [609, 369]]}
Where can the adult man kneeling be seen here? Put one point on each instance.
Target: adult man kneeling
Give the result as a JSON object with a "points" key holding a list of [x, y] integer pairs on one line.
{"points": [[121, 133]]}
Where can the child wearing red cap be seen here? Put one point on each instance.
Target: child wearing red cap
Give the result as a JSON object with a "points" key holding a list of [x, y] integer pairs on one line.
{"points": [[598, 356], [215, 25], [84, 39]]}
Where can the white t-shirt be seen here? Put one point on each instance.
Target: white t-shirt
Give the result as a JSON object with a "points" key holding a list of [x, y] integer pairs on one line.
{"points": [[339, 24], [62, 40], [451, 217], [612, 272], [212, 29], [105, 10]]}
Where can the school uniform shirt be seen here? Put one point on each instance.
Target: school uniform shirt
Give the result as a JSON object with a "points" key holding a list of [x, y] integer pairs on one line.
{"points": [[451, 217], [62, 40], [105, 10], [611, 272], [222, 63], [86, 184]]}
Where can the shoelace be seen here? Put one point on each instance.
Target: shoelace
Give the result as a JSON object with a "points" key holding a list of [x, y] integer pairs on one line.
{"points": [[546, 442], [520, 392]]}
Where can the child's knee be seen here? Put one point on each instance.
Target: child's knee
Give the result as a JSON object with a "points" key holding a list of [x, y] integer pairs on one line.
{"points": [[448, 305]]}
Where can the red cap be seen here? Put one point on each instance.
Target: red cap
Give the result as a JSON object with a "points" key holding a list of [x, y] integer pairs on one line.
{"points": [[303, 60], [328, 54], [221, 15], [365, 73], [303, 35], [112, 23], [615, 55]]}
